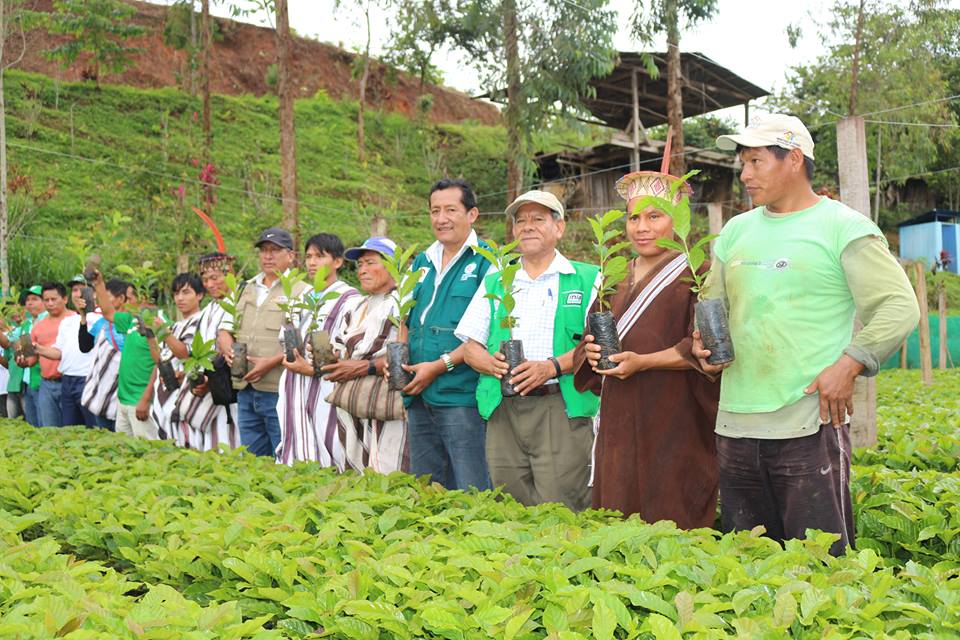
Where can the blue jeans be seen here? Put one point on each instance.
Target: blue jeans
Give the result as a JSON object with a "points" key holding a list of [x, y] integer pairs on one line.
{"points": [[258, 421], [49, 403], [31, 405], [71, 411], [105, 423], [448, 443]]}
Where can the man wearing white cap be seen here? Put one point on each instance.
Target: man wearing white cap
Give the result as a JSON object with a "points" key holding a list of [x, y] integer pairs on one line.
{"points": [[794, 272], [538, 442]]}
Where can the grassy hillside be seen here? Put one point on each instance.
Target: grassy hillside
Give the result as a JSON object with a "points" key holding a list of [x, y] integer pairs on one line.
{"points": [[80, 156]]}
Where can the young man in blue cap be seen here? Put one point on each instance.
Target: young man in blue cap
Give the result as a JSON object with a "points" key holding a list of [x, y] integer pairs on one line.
{"points": [[260, 322], [446, 431]]}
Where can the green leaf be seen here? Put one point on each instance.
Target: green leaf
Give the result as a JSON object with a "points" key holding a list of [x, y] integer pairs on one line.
{"points": [[669, 243], [662, 628], [604, 621]]}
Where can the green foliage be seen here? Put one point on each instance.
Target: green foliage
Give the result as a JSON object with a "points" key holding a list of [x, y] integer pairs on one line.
{"points": [[231, 301], [131, 151], [301, 548], [288, 281], [202, 353], [682, 224], [145, 279], [505, 261], [613, 266], [405, 279], [313, 301], [97, 27], [909, 64]]}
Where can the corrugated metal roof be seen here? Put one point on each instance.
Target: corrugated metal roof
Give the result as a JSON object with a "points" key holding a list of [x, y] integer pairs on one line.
{"points": [[936, 215], [707, 87]]}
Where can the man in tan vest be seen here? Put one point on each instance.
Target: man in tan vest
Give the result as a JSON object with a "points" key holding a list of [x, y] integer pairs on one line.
{"points": [[260, 321]]}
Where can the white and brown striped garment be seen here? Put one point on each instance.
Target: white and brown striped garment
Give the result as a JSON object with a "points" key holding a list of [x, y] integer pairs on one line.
{"points": [[377, 445], [100, 391], [308, 425], [206, 426], [163, 407]]}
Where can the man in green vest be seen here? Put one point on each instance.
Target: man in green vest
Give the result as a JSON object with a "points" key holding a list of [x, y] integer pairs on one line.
{"points": [[445, 430], [538, 442], [795, 271]]}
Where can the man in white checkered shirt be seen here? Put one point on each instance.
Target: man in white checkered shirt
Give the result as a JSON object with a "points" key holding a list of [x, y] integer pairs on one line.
{"points": [[539, 441]]}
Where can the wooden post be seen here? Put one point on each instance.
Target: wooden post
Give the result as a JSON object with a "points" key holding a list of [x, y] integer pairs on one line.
{"points": [[635, 156], [715, 218], [942, 313], [926, 357], [855, 193], [876, 197], [903, 355]]}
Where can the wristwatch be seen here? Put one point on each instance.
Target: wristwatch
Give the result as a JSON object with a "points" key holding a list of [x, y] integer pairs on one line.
{"points": [[371, 367], [447, 361]]}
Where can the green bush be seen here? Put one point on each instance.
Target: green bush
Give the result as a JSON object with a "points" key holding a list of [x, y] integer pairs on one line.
{"points": [[374, 557]]}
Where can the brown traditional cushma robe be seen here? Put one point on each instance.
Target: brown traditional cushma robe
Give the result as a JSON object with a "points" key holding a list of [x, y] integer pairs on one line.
{"points": [[655, 449]]}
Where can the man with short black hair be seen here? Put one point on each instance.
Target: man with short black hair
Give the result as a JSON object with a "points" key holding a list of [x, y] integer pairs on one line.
{"points": [[446, 431], [794, 272], [260, 322], [24, 377], [44, 335], [99, 395]]}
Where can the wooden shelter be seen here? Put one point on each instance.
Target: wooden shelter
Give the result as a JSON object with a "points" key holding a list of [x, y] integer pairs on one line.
{"points": [[629, 101]]}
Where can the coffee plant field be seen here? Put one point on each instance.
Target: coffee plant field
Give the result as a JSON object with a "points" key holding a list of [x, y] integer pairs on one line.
{"points": [[108, 537]]}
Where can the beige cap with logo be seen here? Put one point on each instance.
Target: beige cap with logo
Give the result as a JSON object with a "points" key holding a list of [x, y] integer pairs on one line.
{"points": [[543, 198], [771, 130]]}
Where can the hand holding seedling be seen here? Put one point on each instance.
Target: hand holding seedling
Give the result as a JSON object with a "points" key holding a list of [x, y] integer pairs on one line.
{"points": [[532, 374], [482, 361], [835, 386], [701, 354], [424, 373], [628, 362], [299, 365]]}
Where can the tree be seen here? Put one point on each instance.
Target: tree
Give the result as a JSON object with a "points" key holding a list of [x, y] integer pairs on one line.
{"points": [[538, 56], [9, 15], [96, 27], [286, 96], [664, 16], [908, 68]]}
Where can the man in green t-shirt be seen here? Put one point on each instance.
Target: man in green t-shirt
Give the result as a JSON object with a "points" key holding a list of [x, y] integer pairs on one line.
{"points": [[137, 369], [24, 381], [794, 273]]}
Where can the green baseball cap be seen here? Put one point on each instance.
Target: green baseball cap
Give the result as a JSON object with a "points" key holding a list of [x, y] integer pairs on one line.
{"points": [[36, 290], [77, 279]]}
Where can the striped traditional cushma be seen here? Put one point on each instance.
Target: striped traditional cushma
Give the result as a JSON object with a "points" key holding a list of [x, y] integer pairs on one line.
{"points": [[100, 391], [308, 424], [205, 426]]}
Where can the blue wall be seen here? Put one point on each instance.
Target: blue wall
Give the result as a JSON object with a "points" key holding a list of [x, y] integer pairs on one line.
{"points": [[925, 241]]}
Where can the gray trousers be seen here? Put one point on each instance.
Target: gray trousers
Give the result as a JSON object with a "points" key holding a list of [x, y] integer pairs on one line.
{"points": [[539, 454]]}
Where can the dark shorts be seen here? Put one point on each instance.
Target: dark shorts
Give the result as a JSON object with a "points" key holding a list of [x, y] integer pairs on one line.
{"points": [[788, 486]]}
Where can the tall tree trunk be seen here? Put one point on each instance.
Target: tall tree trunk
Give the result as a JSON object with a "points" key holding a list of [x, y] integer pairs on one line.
{"points": [[855, 71], [678, 166], [205, 79], [513, 109], [192, 53], [288, 151], [361, 123], [4, 261]]}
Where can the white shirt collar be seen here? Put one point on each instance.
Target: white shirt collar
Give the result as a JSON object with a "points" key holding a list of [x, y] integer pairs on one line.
{"points": [[560, 264], [435, 251]]}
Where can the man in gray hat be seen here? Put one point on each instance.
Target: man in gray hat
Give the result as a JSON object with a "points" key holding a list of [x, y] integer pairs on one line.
{"points": [[260, 321], [794, 272], [538, 442]]}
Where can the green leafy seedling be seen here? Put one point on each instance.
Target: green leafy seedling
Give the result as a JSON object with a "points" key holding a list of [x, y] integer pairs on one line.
{"points": [[682, 222], [406, 281], [507, 262], [312, 303], [288, 281], [230, 303], [202, 353], [613, 266]]}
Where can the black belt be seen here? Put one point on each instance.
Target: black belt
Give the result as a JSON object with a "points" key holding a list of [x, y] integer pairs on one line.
{"points": [[544, 390]]}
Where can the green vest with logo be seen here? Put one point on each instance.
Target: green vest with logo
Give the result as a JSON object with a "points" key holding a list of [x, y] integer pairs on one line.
{"points": [[432, 335], [572, 306]]}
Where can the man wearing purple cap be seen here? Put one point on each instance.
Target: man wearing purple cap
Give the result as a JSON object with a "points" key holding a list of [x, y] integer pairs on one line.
{"points": [[794, 272], [260, 321]]}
